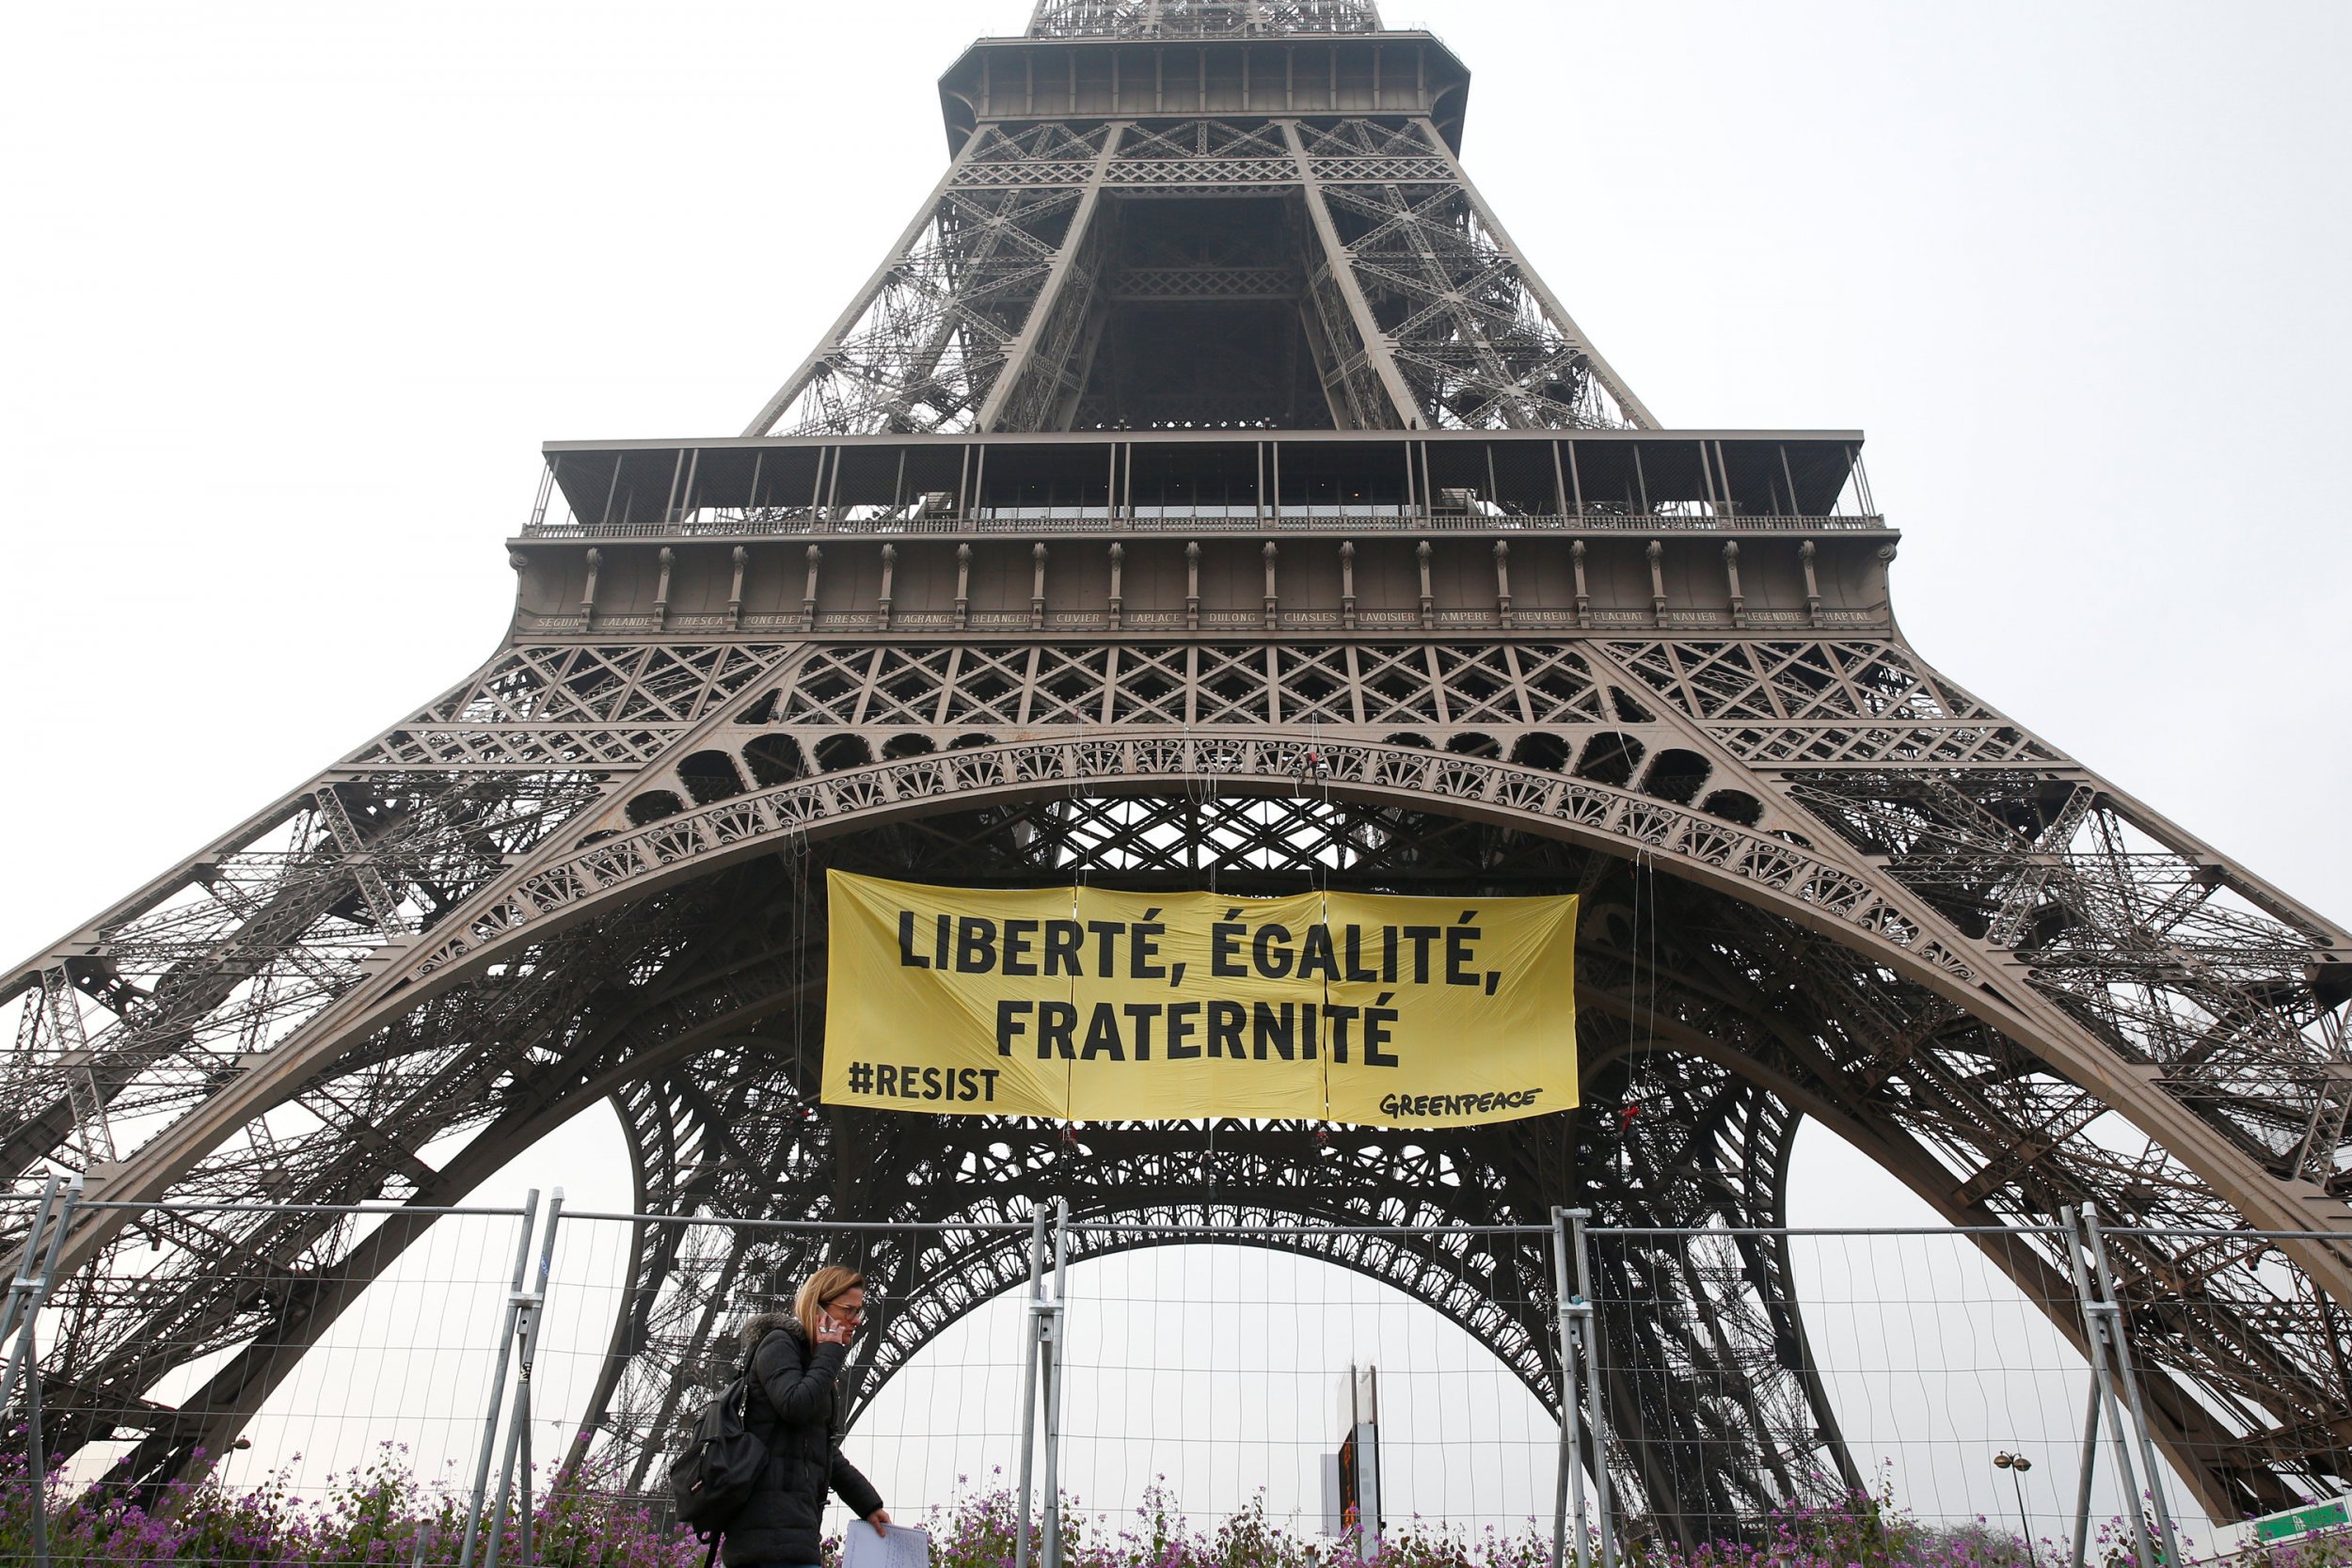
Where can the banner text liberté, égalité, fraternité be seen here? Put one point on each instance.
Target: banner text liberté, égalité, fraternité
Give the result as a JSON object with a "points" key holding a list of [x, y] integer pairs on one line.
{"points": [[1087, 1004]]}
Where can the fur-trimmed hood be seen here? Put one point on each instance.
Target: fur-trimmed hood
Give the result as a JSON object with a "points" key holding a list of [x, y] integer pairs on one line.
{"points": [[760, 1324]]}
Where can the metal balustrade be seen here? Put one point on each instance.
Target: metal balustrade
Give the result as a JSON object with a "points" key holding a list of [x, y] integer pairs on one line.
{"points": [[1028, 520]]}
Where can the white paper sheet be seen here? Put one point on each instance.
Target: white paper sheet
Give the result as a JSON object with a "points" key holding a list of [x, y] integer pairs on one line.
{"points": [[905, 1547]]}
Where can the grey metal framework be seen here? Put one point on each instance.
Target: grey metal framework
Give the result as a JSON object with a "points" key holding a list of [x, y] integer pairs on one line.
{"points": [[1189, 19], [1206, 492], [1286, 162]]}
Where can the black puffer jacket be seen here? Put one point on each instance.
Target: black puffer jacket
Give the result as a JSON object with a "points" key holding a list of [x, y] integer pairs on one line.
{"points": [[794, 1405]]}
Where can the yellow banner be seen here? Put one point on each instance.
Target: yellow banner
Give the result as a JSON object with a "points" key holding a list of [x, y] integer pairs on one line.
{"points": [[1090, 1006]]}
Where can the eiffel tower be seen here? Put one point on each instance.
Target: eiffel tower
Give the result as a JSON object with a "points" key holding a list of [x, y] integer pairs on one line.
{"points": [[1206, 491]]}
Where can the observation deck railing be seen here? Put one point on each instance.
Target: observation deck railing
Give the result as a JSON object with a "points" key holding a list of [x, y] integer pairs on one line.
{"points": [[1187, 521]]}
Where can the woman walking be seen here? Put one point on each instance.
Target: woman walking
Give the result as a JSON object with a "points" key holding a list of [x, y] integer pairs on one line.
{"points": [[796, 1405]]}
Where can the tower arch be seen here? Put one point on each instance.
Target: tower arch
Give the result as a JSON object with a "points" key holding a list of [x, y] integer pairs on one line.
{"points": [[1377, 567]]}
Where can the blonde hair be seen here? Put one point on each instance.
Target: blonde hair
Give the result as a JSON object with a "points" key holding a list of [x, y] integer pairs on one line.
{"points": [[820, 1291]]}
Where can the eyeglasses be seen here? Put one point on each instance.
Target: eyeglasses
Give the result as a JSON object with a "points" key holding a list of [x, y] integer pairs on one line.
{"points": [[846, 1311]]}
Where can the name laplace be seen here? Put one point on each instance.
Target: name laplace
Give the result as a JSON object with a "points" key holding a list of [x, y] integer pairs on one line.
{"points": [[1191, 1031], [1124, 949]]}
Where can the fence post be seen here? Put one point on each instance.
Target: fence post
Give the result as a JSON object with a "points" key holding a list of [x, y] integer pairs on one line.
{"points": [[2131, 1385], [1567, 1509], [528, 1304], [28, 1355], [1029, 1320], [36, 1454], [1051, 1329], [1368, 1478], [21, 1288], [2099, 1330], [2089, 1463], [1596, 1414], [498, 1378]]}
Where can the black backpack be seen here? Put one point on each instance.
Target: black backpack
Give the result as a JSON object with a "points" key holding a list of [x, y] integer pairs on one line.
{"points": [[716, 1473]]}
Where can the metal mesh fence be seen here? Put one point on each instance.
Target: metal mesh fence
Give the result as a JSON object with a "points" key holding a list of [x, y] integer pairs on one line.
{"points": [[1894, 1363], [328, 1388], [507, 1384], [304, 1389], [1223, 1376], [646, 1317], [2191, 1321]]}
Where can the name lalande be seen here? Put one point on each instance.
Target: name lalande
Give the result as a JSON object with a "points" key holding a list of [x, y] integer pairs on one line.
{"points": [[1105, 1005]]}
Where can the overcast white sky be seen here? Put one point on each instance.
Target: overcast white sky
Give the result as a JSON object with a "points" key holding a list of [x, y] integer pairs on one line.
{"points": [[293, 290]]}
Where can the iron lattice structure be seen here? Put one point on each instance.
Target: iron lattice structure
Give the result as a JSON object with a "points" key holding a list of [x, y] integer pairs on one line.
{"points": [[1365, 283], [1205, 491]]}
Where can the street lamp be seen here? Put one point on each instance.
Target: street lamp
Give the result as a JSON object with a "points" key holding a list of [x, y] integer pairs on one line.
{"points": [[2017, 1465]]}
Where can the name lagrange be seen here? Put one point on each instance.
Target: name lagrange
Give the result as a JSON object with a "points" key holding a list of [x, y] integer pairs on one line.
{"points": [[1192, 1030]]}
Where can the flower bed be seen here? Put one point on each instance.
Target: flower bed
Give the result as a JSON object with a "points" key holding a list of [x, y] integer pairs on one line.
{"points": [[384, 1513]]}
